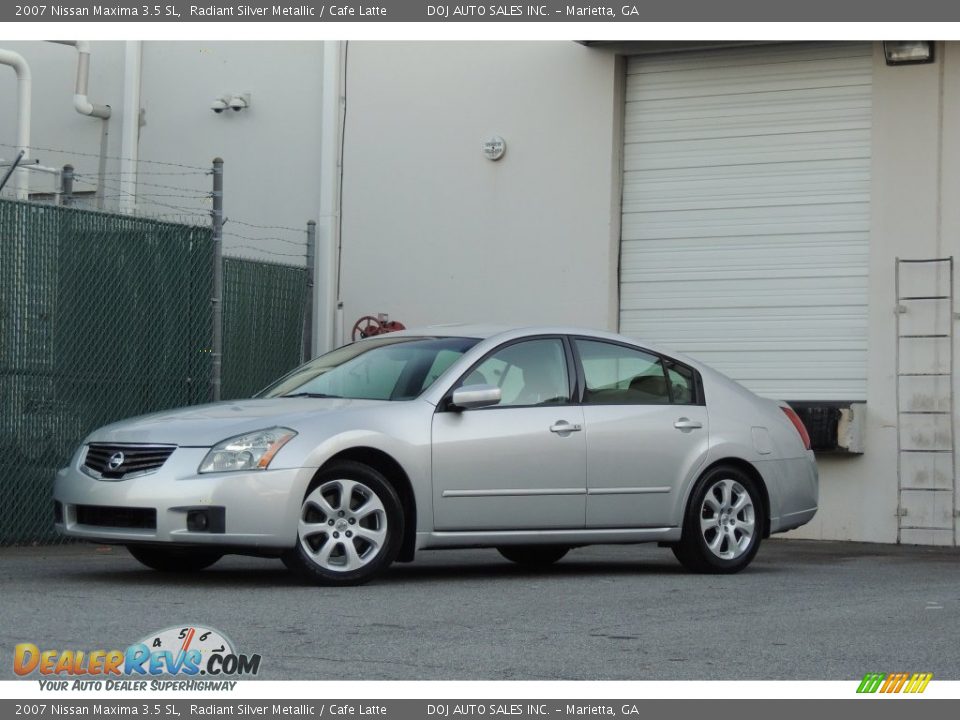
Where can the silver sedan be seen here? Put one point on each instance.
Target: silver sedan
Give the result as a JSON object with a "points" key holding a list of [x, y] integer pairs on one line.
{"points": [[532, 441]]}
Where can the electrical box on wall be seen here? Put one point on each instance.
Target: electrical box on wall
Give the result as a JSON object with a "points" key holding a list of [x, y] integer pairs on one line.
{"points": [[834, 428]]}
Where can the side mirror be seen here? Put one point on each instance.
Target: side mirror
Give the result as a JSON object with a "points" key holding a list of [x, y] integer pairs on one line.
{"points": [[475, 396]]}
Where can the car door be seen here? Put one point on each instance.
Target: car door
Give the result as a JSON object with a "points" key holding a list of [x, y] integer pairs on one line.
{"points": [[521, 463], [646, 430]]}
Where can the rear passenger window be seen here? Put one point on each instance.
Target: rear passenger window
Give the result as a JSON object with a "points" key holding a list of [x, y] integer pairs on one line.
{"points": [[682, 387], [618, 375]]}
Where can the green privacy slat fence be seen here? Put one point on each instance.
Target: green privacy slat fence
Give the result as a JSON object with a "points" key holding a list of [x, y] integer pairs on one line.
{"points": [[107, 316], [263, 305]]}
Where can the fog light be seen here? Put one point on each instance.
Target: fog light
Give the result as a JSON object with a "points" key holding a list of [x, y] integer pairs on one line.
{"points": [[908, 52], [197, 521]]}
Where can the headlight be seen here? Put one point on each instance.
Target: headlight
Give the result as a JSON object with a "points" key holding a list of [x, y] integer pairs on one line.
{"points": [[252, 451]]}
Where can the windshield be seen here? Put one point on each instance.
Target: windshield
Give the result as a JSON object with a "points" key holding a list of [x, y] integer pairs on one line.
{"points": [[384, 368]]}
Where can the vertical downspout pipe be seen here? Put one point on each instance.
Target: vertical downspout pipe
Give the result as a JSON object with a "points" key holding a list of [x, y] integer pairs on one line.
{"points": [[80, 101], [21, 180], [130, 137], [328, 229], [83, 106]]}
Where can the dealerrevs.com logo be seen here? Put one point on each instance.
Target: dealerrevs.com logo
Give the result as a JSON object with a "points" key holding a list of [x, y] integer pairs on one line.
{"points": [[184, 651]]}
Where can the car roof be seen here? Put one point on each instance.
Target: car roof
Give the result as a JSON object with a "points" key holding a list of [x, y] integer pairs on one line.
{"points": [[472, 330], [509, 332], [482, 331]]}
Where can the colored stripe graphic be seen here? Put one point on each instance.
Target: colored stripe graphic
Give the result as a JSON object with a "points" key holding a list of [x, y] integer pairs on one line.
{"points": [[871, 682], [919, 682], [894, 682]]}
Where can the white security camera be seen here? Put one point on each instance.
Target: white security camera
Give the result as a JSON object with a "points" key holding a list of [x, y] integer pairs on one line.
{"points": [[219, 105], [239, 102]]}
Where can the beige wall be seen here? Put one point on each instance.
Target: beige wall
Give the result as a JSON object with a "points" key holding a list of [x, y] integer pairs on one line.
{"points": [[433, 232]]}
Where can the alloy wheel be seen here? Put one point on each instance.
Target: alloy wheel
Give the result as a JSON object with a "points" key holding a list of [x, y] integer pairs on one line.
{"points": [[727, 519], [343, 525]]}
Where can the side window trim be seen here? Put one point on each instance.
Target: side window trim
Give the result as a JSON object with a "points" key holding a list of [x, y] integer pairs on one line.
{"points": [[666, 380], [573, 386], [698, 395]]}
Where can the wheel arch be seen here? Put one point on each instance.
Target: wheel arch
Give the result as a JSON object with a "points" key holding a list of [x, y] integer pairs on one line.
{"points": [[750, 469], [393, 471]]}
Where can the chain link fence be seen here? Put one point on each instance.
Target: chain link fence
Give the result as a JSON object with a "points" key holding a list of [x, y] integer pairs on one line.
{"points": [[106, 316], [263, 306]]}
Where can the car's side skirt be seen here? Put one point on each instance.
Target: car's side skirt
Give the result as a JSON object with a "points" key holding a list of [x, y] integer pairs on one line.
{"points": [[497, 538]]}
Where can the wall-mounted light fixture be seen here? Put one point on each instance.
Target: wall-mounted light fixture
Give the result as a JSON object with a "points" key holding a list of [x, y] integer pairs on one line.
{"points": [[908, 52]]}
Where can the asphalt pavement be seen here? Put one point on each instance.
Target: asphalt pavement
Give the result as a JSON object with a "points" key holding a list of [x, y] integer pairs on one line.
{"points": [[803, 610]]}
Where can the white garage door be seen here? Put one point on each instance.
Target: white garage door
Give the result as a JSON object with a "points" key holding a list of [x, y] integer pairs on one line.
{"points": [[746, 213]]}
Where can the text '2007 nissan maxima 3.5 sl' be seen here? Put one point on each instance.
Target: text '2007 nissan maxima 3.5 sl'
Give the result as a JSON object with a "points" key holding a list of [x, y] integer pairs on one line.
{"points": [[532, 441]]}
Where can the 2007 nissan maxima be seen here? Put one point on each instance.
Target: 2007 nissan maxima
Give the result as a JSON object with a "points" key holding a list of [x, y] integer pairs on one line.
{"points": [[532, 441]]}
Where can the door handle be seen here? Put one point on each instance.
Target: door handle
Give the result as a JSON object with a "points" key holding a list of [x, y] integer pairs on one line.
{"points": [[562, 426], [687, 424]]}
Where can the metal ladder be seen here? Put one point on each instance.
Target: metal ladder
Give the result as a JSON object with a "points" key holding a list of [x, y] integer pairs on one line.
{"points": [[926, 442]]}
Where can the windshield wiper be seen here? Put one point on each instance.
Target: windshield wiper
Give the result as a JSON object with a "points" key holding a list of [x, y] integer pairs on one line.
{"points": [[312, 395]]}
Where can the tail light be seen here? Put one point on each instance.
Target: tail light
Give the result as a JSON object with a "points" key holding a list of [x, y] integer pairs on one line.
{"points": [[798, 424]]}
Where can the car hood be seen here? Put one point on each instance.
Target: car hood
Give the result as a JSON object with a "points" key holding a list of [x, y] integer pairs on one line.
{"points": [[206, 425]]}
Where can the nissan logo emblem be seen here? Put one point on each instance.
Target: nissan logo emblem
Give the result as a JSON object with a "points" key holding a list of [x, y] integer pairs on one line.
{"points": [[115, 461]]}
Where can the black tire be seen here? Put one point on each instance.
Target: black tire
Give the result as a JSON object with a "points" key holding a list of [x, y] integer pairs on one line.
{"points": [[299, 560], [534, 555], [693, 550], [174, 560], [290, 562]]}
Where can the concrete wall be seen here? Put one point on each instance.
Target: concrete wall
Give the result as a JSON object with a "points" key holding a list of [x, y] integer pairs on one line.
{"points": [[271, 150], [433, 232]]}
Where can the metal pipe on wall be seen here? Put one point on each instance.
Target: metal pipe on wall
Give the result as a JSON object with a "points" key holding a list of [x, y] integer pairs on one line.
{"points": [[130, 136], [82, 105], [216, 350], [308, 335], [21, 180], [328, 228]]}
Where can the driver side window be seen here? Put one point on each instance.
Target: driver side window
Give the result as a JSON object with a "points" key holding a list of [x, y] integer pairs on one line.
{"points": [[532, 372]]}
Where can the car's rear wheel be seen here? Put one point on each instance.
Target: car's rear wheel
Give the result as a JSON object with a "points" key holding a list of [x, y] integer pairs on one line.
{"points": [[534, 555], [723, 524], [350, 526], [182, 560]]}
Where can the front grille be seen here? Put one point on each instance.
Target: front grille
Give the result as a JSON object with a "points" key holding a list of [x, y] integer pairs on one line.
{"points": [[117, 517], [116, 461]]}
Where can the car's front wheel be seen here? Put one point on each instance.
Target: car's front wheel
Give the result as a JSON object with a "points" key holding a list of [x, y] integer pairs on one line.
{"points": [[174, 560], [350, 526], [534, 555], [723, 523]]}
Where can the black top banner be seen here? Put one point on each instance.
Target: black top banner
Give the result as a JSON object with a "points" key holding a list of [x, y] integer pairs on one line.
{"points": [[440, 11]]}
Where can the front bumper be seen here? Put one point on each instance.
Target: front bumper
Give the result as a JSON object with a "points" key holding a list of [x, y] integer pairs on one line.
{"points": [[259, 509]]}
